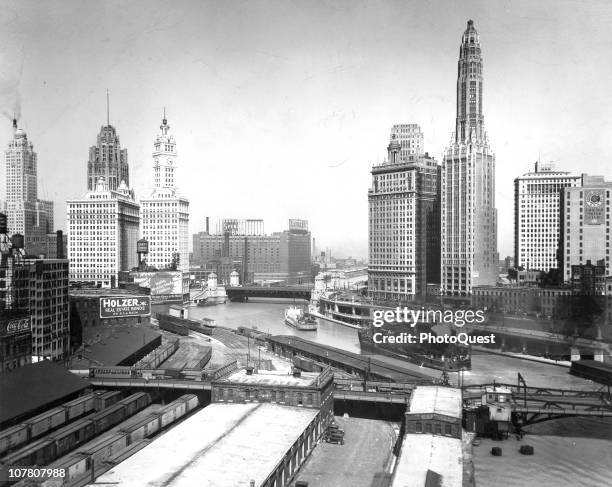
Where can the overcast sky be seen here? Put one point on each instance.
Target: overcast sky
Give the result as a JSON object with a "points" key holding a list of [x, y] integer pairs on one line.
{"points": [[280, 108]]}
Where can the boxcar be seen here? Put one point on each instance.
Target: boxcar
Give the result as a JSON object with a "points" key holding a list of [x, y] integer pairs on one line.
{"points": [[167, 323], [13, 437], [106, 399], [73, 435], [146, 427], [191, 401], [79, 406], [104, 447], [41, 452], [108, 417], [76, 466], [46, 421]]}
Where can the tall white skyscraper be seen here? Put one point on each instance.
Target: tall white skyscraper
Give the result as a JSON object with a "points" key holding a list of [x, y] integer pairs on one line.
{"points": [[469, 218], [26, 214], [103, 228], [165, 214], [537, 215]]}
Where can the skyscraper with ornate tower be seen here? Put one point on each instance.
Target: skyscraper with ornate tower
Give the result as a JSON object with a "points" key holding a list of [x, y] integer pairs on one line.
{"points": [[469, 217]]}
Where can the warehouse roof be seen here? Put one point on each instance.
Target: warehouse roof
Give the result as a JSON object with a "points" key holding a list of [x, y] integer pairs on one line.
{"points": [[115, 345], [27, 389], [436, 399], [424, 457], [272, 378], [222, 445]]}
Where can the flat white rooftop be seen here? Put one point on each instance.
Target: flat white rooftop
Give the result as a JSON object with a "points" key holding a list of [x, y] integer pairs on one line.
{"points": [[420, 453], [272, 378], [223, 445], [434, 399]]}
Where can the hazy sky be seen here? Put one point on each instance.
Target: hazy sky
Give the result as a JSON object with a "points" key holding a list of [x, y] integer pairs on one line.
{"points": [[279, 108]]}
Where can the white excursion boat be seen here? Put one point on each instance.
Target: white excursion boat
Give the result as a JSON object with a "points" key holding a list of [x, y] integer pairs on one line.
{"points": [[296, 317]]}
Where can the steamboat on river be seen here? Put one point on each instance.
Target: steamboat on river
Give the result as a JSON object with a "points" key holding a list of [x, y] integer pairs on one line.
{"points": [[357, 311]]}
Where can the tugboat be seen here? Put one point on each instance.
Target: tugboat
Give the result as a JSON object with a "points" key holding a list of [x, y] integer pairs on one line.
{"points": [[296, 317]]}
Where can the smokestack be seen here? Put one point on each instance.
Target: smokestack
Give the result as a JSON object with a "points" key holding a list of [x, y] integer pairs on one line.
{"points": [[207, 226], [59, 244]]}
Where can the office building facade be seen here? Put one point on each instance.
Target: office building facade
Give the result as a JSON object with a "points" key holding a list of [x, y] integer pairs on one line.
{"points": [[537, 215], [26, 214], [404, 223], [585, 225], [282, 256], [103, 228]]}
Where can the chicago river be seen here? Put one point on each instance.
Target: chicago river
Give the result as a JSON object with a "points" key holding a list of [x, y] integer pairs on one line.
{"points": [[571, 451]]}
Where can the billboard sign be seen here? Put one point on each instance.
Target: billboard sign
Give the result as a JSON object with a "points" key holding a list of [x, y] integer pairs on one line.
{"points": [[14, 325], [165, 286], [124, 306], [594, 207], [299, 225]]}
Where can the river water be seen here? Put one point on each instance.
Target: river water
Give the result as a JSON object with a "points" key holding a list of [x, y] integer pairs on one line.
{"points": [[568, 452]]}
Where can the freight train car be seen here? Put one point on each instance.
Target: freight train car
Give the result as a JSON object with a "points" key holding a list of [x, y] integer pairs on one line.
{"points": [[46, 421], [106, 399], [37, 426], [155, 358], [116, 447], [53, 445], [13, 437], [101, 449], [79, 406], [172, 324]]}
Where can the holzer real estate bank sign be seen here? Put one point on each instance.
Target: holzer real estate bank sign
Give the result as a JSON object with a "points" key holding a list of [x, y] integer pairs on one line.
{"points": [[123, 307]]}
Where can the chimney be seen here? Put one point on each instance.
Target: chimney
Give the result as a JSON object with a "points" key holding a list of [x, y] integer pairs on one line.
{"points": [[207, 226], [59, 244]]}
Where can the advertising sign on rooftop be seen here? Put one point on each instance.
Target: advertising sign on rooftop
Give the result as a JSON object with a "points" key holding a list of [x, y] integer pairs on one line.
{"points": [[124, 306]]}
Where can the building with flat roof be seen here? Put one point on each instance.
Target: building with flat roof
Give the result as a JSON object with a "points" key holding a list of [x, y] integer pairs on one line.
{"points": [[436, 410], [426, 460], [537, 215], [585, 225], [224, 445], [281, 256], [300, 389], [103, 228], [40, 287], [34, 388]]}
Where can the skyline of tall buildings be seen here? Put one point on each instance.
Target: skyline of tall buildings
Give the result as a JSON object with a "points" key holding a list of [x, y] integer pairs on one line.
{"points": [[407, 189], [469, 217]]}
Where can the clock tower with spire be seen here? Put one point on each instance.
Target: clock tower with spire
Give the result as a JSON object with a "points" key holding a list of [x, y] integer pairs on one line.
{"points": [[165, 214]]}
